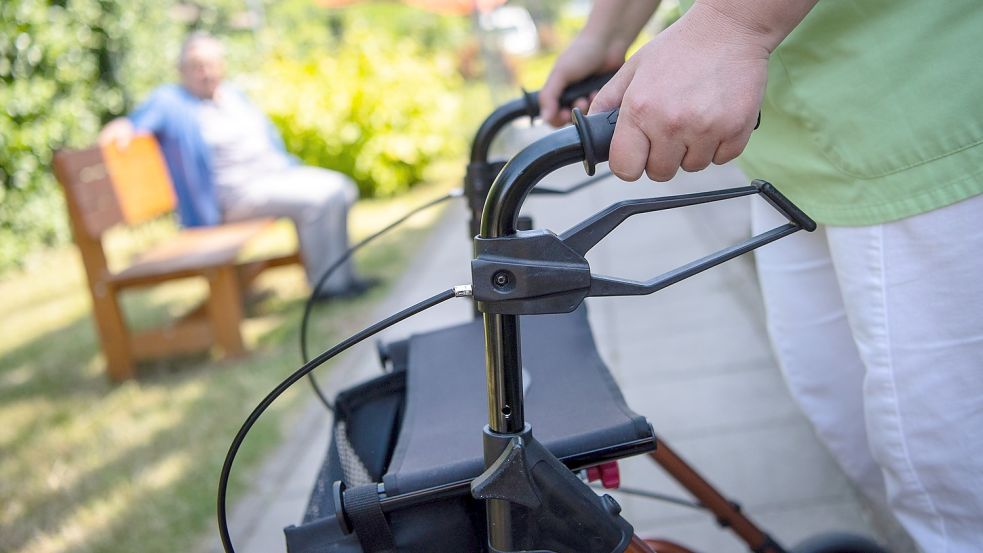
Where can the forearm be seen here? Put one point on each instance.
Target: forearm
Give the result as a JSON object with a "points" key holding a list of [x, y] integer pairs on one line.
{"points": [[618, 22], [766, 22]]}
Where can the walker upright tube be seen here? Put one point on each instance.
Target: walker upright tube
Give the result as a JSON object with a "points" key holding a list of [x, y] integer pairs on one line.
{"points": [[502, 349], [499, 218]]}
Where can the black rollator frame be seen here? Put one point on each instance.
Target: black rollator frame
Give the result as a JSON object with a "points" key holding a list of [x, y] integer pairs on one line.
{"points": [[532, 500], [537, 272]]}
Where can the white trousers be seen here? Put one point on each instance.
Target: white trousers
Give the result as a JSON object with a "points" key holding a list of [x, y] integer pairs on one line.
{"points": [[879, 331], [317, 200]]}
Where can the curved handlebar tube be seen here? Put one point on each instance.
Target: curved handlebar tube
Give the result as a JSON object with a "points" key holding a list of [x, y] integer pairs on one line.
{"points": [[588, 140], [527, 106], [481, 172]]}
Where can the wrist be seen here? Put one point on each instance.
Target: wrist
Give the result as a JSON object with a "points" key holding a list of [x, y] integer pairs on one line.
{"points": [[599, 33], [616, 23], [759, 24], [608, 53]]}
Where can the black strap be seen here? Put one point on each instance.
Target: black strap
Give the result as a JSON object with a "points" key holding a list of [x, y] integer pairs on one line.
{"points": [[363, 509]]}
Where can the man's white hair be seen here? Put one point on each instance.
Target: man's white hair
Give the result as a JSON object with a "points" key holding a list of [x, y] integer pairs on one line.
{"points": [[196, 38]]}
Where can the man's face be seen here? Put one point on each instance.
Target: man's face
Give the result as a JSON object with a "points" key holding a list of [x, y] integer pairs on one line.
{"points": [[203, 68]]}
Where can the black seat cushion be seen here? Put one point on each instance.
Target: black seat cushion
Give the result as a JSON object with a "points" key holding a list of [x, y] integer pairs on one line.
{"points": [[572, 402]]}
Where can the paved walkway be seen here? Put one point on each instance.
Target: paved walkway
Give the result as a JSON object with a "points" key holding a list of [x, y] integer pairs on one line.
{"points": [[693, 358]]}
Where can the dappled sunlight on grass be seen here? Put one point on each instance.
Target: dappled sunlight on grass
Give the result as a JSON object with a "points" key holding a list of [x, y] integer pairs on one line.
{"points": [[93, 519], [87, 465], [78, 452], [28, 313]]}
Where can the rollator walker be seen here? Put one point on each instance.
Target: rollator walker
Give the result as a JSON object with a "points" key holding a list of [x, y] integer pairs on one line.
{"points": [[409, 468]]}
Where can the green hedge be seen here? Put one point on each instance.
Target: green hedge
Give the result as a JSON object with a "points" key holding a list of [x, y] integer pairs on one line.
{"points": [[378, 108], [371, 91], [61, 69]]}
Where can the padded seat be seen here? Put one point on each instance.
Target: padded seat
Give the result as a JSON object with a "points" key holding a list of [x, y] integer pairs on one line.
{"points": [[421, 426], [571, 400]]}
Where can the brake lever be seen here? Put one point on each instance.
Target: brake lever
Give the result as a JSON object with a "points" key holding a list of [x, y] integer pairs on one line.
{"points": [[538, 272], [601, 224]]}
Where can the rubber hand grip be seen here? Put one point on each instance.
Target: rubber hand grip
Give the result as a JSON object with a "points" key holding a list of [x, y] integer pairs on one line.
{"points": [[570, 94], [596, 132], [584, 88]]}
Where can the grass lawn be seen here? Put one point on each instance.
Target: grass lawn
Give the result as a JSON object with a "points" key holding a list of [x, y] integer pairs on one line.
{"points": [[87, 465]]}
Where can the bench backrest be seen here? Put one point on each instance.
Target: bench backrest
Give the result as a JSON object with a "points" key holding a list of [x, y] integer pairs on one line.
{"points": [[106, 186]]}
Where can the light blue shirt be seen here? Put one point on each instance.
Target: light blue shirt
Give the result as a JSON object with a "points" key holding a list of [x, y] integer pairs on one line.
{"points": [[172, 114]]}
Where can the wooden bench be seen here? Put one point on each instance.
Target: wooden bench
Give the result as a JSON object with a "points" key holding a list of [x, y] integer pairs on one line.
{"points": [[105, 187]]}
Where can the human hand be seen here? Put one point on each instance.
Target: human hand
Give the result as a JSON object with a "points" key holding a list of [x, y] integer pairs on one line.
{"points": [[118, 132], [689, 97], [587, 55]]}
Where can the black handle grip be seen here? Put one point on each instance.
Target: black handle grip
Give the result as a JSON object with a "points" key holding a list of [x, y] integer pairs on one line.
{"points": [[580, 89], [527, 106], [584, 88], [596, 132]]}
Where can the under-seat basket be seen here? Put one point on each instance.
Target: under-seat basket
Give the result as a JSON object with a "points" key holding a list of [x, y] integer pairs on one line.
{"points": [[418, 429]]}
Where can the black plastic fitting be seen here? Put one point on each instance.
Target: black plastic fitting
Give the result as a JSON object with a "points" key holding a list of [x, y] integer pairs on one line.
{"points": [[540, 505]]}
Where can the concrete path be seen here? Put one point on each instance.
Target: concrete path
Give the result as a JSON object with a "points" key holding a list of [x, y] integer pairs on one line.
{"points": [[693, 358]]}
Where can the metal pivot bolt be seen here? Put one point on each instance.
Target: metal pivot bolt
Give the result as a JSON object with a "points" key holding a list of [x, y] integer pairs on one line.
{"points": [[502, 280]]}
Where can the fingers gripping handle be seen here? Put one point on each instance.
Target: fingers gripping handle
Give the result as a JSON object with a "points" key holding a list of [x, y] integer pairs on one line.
{"points": [[584, 88], [580, 89], [596, 132]]}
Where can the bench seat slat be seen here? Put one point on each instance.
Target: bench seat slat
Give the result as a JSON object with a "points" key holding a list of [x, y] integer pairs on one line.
{"points": [[193, 250]]}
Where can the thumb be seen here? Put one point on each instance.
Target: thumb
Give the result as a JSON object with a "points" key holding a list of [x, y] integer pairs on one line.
{"points": [[610, 96]]}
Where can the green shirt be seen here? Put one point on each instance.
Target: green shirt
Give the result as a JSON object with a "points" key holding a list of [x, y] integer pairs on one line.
{"points": [[874, 110]]}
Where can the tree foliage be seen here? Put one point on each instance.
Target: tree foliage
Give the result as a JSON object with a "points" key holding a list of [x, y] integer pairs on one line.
{"points": [[66, 67], [378, 109], [369, 91]]}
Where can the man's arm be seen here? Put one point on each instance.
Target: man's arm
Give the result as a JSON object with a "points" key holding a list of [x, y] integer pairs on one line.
{"points": [[601, 46], [691, 96], [149, 117]]}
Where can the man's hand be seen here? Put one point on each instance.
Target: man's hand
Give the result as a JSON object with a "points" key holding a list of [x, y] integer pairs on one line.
{"points": [[119, 132]]}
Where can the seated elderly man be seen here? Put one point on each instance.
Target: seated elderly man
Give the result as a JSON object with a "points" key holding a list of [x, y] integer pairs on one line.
{"points": [[228, 163]]}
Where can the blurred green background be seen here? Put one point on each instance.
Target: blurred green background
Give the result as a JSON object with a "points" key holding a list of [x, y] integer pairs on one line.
{"points": [[387, 93], [377, 90]]}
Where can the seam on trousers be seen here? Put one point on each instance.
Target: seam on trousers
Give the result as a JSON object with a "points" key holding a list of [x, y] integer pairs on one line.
{"points": [[894, 388]]}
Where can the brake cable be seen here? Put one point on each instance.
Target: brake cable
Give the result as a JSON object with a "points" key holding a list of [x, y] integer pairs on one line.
{"points": [[460, 291], [312, 298]]}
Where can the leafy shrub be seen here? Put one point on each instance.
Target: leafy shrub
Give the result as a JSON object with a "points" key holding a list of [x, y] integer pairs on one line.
{"points": [[378, 108], [60, 64], [378, 103]]}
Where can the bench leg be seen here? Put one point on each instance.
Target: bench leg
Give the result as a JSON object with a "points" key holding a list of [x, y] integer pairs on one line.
{"points": [[112, 333], [225, 310]]}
